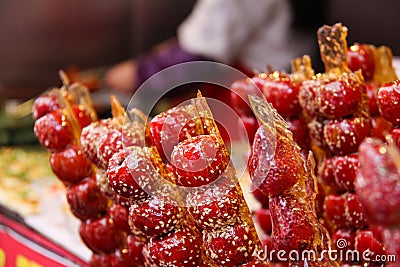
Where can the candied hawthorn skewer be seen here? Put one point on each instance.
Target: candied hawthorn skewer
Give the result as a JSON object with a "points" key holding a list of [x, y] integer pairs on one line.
{"points": [[87, 202], [208, 209], [339, 124], [295, 225]]}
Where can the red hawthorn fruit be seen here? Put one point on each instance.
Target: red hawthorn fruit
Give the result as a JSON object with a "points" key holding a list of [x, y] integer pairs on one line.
{"points": [[86, 199], [300, 133], [101, 235], [293, 229], [223, 251], [345, 211], [377, 183], [169, 128], [372, 93], [128, 255], [239, 92], [331, 99], [153, 217], [355, 213], [337, 99], [345, 171], [82, 115], [361, 57], [250, 124], [260, 196], [365, 240], [102, 139], [345, 136], [125, 169], [388, 102], [326, 174], [282, 93], [283, 168], [199, 160], [53, 130], [308, 92], [335, 211], [43, 105], [120, 214], [179, 248], [263, 217], [104, 260], [134, 246], [91, 138], [316, 133], [70, 165], [210, 212]]}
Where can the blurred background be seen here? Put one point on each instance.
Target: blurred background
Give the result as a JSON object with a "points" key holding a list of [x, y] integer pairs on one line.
{"points": [[39, 38]]}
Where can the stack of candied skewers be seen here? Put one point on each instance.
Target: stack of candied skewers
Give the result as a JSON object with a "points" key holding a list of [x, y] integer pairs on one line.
{"points": [[341, 109], [149, 193]]}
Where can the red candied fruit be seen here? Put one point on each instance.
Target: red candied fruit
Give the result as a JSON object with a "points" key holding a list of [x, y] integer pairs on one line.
{"points": [[101, 235], [300, 133], [345, 211], [180, 248], [339, 172], [128, 255], [169, 128], [104, 260], [260, 196], [120, 214], [213, 209], [86, 200], [372, 94], [199, 161], [340, 98], [53, 130], [388, 102], [326, 174], [282, 93], [283, 169], [345, 136], [44, 104], [82, 115], [361, 57], [293, 229], [126, 168], [134, 246], [241, 89], [231, 245], [365, 240], [91, 137], [263, 217], [250, 124], [153, 217], [70, 165]]}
